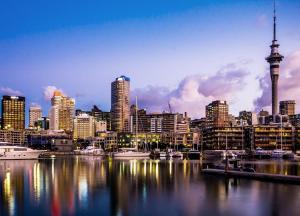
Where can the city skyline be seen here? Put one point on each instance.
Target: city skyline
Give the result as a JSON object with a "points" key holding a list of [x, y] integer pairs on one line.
{"points": [[240, 78]]}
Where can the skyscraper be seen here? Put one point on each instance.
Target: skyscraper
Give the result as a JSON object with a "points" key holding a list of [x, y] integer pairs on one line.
{"points": [[287, 107], [217, 114], [120, 100], [62, 109], [274, 60], [13, 112], [35, 113]]}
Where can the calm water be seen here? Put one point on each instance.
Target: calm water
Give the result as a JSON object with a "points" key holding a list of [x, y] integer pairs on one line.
{"points": [[90, 186]]}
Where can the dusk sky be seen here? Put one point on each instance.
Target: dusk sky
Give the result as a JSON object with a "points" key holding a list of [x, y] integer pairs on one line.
{"points": [[187, 53]]}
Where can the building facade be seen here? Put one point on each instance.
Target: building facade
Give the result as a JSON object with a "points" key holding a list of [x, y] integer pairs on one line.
{"points": [[13, 137], [35, 113], [13, 112], [84, 126], [217, 114], [54, 118], [270, 137], [120, 108], [42, 123], [62, 113], [287, 107], [222, 138], [249, 117]]}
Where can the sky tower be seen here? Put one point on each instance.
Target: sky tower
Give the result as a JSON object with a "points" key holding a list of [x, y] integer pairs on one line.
{"points": [[274, 60]]}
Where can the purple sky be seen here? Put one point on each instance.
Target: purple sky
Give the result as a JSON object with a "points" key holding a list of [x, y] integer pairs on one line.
{"points": [[185, 54]]}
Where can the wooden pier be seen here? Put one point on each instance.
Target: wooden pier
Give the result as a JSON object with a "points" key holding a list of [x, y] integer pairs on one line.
{"points": [[290, 179]]}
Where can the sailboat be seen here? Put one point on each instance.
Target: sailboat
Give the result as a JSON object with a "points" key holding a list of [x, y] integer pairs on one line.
{"points": [[132, 152]]}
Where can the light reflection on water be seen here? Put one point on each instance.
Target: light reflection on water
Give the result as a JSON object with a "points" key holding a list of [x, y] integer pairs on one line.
{"points": [[95, 186]]}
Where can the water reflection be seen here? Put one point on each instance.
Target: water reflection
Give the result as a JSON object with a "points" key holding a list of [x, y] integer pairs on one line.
{"points": [[87, 185]]}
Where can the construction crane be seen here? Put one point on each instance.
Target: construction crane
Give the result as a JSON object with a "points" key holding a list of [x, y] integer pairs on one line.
{"points": [[170, 108]]}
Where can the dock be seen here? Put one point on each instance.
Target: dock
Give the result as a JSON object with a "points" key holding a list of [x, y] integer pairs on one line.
{"points": [[289, 179]]}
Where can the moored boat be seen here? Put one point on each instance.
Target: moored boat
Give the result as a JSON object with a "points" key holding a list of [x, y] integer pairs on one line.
{"points": [[19, 153], [92, 151], [130, 153]]}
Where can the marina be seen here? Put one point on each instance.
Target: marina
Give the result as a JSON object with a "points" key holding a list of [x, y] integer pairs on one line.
{"points": [[81, 185]]}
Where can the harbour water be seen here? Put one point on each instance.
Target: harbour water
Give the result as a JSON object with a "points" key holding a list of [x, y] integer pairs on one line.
{"points": [[85, 185]]}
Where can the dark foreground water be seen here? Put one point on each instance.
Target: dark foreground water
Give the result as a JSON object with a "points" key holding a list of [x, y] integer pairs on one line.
{"points": [[91, 186]]}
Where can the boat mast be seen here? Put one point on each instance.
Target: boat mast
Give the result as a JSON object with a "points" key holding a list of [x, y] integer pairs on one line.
{"points": [[281, 133], [136, 123]]}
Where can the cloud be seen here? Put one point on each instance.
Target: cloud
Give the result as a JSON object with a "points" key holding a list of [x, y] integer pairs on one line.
{"points": [[33, 104], [48, 92], [288, 84], [10, 92], [154, 98], [194, 92]]}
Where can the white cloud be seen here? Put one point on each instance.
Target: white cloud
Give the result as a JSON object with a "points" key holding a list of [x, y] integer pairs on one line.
{"points": [[48, 92], [195, 92], [10, 91]]}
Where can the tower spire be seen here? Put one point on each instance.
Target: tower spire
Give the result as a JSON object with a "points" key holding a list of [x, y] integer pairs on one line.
{"points": [[274, 24]]}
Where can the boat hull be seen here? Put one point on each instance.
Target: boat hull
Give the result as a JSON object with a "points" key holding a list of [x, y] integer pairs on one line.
{"points": [[131, 155], [21, 155]]}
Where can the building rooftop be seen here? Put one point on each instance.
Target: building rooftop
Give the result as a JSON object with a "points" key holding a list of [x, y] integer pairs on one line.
{"points": [[123, 78]]}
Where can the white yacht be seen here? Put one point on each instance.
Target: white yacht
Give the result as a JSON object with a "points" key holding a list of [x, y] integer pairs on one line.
{"points": [[19, 153], [130, 153], [92, 151], [174, 154]]}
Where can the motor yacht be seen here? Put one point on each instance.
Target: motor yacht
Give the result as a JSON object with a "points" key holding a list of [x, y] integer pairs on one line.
{"points": [[130, 153], [92, 151], [19, 153]]}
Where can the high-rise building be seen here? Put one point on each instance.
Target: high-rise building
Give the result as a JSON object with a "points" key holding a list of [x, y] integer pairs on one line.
{"points": [[13, 112], [120, 99], [217, 114], [274, 60], [64, 113], [287, 107], [35, 113], [54, 118], [84, 126]]}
